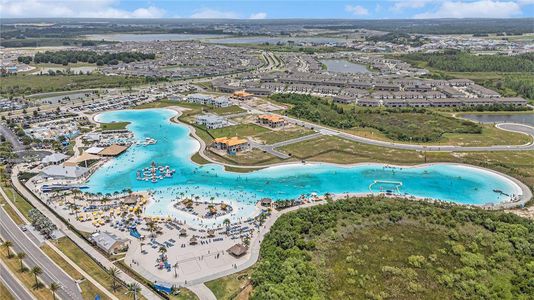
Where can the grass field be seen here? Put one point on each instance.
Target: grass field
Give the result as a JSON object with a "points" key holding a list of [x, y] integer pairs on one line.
{"points": [[252, 157], [240, 130], [12, 214], [113, 126], [5, 293], [85, 262], [25, 277], [20, 203], [272, 136], [489, 136], [184, 294], [234, 109], [89, 290], [229, 287], [157, 104], [32, 84]]}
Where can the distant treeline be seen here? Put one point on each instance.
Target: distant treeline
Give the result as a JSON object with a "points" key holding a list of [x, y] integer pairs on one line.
{"points": [[398, 38], [50, 42], [69, 56], [513, 26], [457, 61]]}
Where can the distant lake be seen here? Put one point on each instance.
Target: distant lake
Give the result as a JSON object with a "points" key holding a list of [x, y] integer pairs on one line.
{"points": [[527, 119], [344, 66], [150, 37], [274, 40]]}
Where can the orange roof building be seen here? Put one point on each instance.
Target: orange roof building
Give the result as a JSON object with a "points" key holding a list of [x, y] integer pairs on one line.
{"points": [[271, 120], [231, 145], [242, 95]]}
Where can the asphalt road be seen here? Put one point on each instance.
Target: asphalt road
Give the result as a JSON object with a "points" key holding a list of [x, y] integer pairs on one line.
{"points": [[12, 138], [147, 293], [35, 257], [15, 287]]}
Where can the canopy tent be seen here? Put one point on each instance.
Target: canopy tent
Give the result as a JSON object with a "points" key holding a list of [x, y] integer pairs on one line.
{"points": [[74, 161]]}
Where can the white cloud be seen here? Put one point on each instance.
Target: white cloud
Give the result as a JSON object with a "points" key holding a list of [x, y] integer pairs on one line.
{"points": [[477, 9], [73, 9], [357, 10], [208, 13], [258, 16]]}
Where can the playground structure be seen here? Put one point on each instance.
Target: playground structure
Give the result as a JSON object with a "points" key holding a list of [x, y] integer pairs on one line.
{"points": [[155, 173], [386, 186]]}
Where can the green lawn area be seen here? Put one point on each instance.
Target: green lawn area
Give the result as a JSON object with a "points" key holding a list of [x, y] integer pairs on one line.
{"points": [[337, 150], [89, 290], [489, 136], [25, 277], [271, 136], [157, 104], [199, 159], [251, 157], [85, 262], [184, 294], [12, 214], [20, 203], [230, 110], [32, 84], [228, 287], [240, 130], [63, 264], [6, 294], [114, 126]]}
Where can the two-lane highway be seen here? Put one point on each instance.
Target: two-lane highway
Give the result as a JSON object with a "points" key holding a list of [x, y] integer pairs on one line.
{"points": [[9, 230]]}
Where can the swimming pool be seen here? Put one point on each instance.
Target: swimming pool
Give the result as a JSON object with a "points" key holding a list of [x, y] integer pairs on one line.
{"points": [[174, 147]]}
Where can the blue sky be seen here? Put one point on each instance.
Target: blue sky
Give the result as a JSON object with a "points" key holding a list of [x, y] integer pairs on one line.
{"points": [[268, 9]]}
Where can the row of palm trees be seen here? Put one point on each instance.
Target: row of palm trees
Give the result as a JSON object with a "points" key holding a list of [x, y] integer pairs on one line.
{"points": [[35, 271], [133, 288]]}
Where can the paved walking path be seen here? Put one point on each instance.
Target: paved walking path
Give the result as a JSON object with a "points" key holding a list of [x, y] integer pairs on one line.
{"points": [[202, 292], [97, 256]]}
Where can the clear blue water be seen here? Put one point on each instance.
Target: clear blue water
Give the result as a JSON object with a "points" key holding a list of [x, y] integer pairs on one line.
{"points": [[527, 119], [455, 183]]}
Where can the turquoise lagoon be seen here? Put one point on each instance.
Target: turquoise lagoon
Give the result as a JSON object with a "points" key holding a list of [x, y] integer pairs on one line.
{"points": [[174, 147]]}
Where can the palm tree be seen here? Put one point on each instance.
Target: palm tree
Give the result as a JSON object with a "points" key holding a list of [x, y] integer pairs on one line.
{"points": [[162, 250], [7, 245], [114, 274], [21, 256], [134, 288], [36, 271], [226, 223], [53, 288]]}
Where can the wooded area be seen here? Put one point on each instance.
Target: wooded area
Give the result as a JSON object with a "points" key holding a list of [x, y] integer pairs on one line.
{"points": [[381, 248], [69, 56]]}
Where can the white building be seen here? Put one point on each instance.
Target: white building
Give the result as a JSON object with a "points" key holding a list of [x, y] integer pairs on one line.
{"points": [[211, 121]]}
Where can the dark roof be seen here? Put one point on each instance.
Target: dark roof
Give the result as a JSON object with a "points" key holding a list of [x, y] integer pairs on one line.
{"points": [[237, 250]]}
